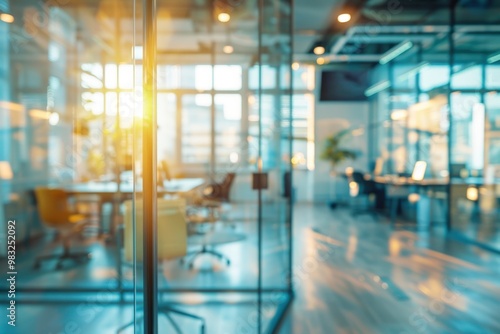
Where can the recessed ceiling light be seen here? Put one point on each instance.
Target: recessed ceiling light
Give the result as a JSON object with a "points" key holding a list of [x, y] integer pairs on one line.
{"points": [[224, 17], [7, 18], [295, 66], [228, 49], [320, 61], [319, 50], [344, 17]]}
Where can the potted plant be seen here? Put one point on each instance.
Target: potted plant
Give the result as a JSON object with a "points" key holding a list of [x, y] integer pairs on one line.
{"points": [[335, 154]]}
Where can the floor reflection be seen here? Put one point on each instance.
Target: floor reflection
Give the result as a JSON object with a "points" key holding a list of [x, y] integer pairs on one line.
{"points": [[379, 280]]}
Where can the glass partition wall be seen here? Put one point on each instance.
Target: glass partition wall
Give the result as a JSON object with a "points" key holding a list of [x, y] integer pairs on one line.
{"points": [[438, 105], [167, 125]]}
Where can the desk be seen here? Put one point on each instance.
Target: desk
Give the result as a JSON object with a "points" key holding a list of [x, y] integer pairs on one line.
{"points": [[408, 181], [398, 188]]}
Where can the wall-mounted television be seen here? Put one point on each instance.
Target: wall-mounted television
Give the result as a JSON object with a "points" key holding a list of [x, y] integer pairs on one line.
{"points": [[343, 85]]}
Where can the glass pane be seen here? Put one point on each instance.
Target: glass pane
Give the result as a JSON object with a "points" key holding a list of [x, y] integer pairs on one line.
{"points": [[167, 127], [493, 76], [228, 77], [434, 76], [168, 76], [268, 77], [469, 77], [66, 156], [227, 128], [196, 131]]}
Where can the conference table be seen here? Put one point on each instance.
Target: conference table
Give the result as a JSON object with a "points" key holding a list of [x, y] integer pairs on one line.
{"points": [[173, 186], [111, 192]]}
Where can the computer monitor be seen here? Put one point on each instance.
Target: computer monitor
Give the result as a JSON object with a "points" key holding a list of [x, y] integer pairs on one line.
{"points": [[419, 170]]}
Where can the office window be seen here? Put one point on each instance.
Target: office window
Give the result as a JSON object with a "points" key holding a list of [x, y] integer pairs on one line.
{"points": [[196, 132], [197, 77], [168, 76], [469, 77], [268, 77], [228, 128], [433, 76], [493, 110], [463, 106], [93, 102], [268, 126], [167, 126], [302, 129], [303, 77], [228, 77], [126, 76], [91, 76], [111, 76], [493, 77]]}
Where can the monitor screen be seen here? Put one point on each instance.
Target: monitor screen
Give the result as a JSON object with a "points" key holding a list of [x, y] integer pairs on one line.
{"points": [[343, 85], [419, 170]]}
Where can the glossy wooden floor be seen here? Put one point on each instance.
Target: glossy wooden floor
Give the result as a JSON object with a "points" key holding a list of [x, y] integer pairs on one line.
{"points": [[352, 275], [371, 278]]}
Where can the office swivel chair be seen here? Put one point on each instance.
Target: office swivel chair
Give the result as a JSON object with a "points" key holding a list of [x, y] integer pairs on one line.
{"points": [[54, 212], [360, 187], [172, 243], [219, 192], [213, 197]]}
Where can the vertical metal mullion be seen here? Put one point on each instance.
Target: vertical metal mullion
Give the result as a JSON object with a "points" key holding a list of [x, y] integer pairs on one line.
{"points": [[212, 114], [290, 143], [260, 164], [390, 106], [118, 139], [149, 169], [178, 127], [483, 101], [245, 124], [417, 100], [451, 60]]}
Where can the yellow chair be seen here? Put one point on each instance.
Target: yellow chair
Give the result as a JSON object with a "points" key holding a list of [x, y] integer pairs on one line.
{"points": [[172, 242], [171, 229], [55, 213]]}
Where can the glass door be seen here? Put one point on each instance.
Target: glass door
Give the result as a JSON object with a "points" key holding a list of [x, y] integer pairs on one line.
{"points": [[213, 167]]}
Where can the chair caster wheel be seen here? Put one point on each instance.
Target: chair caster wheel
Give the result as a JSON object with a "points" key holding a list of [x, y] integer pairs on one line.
{"points": [[36, 266], [228, 262], [59, 266]]}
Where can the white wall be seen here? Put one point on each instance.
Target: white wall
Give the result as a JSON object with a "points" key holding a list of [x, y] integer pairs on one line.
{"points": [[331, 117]]}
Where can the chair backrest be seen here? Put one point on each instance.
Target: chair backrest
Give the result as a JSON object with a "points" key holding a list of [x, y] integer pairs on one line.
{"points": [[171, 229], [225, 186], [52, 206], [358, 177], [363, 186]]}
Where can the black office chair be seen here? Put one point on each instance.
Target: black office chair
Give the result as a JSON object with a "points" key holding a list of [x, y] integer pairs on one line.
{"points": [[359, 187]]}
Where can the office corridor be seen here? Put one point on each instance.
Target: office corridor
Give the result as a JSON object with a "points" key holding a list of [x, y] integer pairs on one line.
{"points": [[359, 275]]}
